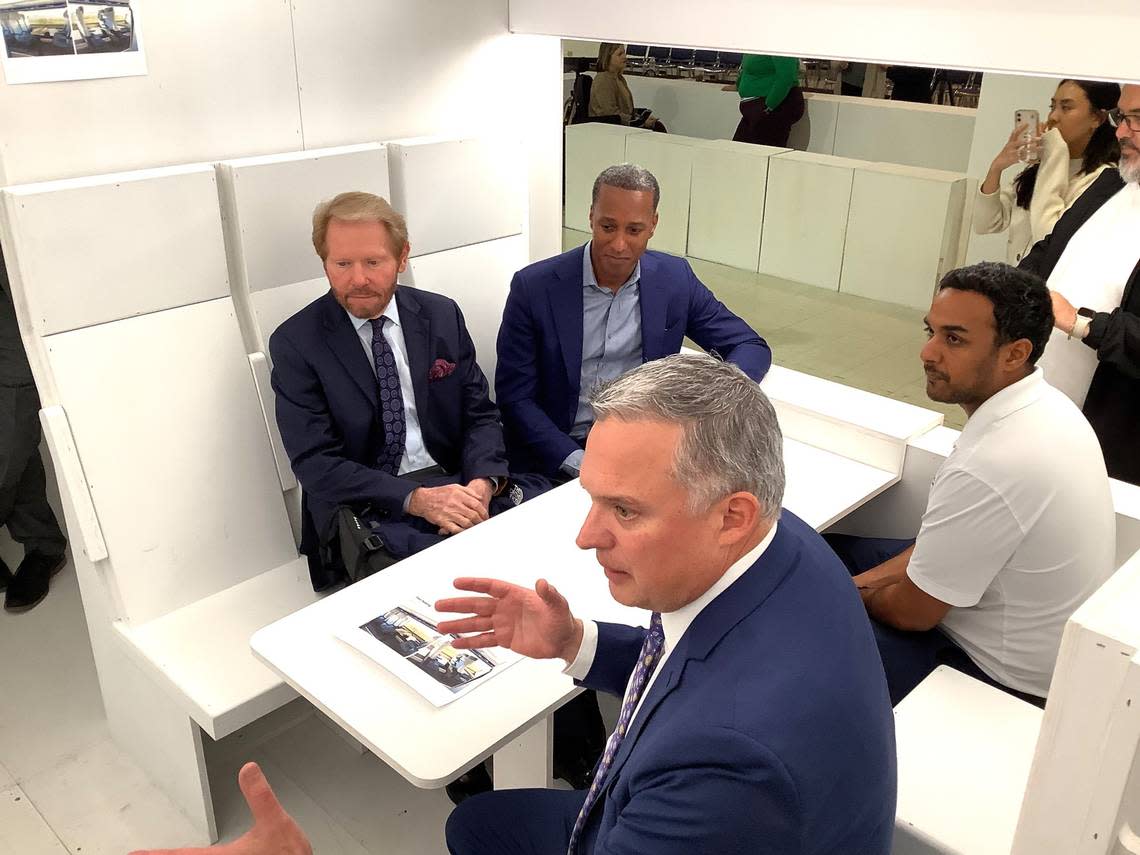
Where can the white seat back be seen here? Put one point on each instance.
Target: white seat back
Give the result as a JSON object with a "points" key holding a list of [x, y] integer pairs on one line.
{"points": [[145, 356], [267, 204]]}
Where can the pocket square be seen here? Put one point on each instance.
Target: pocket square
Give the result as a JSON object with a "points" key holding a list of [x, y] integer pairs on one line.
{"points": [[440, 368]]}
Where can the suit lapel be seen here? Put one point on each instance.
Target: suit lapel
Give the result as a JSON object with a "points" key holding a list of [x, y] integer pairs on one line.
{"points": [[344, 342], [717, 619], [566, 307], [652, 299], [416, 327]]}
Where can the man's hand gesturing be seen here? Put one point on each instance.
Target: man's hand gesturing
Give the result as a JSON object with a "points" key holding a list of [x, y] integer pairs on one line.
{"points": [[534, 623]]}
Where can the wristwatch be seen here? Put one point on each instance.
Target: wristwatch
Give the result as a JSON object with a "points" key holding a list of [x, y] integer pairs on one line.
{"points": [[1081, 323]]}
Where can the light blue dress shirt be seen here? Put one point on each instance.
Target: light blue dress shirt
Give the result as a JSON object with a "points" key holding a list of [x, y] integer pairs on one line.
{"points": [[611, 343], [415, 453]]}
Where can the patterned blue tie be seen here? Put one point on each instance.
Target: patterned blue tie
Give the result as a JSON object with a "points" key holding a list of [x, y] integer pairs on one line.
{"points": [[646, 660], [391, 400]]}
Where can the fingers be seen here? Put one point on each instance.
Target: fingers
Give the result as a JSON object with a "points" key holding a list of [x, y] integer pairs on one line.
{"points": [[550, 595], [483, 585], [259, 795], [465, 625], [467, 605], [476, 642]]}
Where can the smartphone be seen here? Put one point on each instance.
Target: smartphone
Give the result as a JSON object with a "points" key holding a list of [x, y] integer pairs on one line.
{"points": [[1031, 120]]}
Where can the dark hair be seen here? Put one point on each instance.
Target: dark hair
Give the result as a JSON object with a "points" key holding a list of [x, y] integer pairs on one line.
{"points": [[1102, 147], [1022, 305]]}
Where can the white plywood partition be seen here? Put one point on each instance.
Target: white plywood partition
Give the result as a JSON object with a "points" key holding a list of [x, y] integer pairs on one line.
{"points": [[933, 136], [815, 132], [267, 205], [478, 278], [903, 232], [805, 218], [590, 148], [87, 251], [689, 107], [175, 454], [670, 158], [456, 192], [726, 202]]}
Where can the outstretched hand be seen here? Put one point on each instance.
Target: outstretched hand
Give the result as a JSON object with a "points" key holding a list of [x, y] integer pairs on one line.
{"points": [[274, 832], [535, 623]]}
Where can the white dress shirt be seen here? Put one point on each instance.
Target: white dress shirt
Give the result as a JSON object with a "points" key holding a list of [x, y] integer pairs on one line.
{"points": [[673, 624], [1092, 272], [415, 454]]}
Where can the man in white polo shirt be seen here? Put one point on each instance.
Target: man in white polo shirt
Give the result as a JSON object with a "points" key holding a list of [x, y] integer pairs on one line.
{"points": [[1092, 263], [1019, 529]]}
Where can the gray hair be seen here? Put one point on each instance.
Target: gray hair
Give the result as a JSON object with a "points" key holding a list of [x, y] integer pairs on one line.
{"points": [[627, 176], [730, 439]]}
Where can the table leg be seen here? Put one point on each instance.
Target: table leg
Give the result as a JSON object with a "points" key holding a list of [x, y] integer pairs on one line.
{"points": [[527, 760]]}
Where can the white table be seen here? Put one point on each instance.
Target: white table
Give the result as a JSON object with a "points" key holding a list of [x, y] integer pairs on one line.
{"points": [[431, 746]]}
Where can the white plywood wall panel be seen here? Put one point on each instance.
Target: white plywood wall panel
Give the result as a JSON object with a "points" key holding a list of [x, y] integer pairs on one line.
{"points": [[815, 132], [943, 35], [726, 206], [456, 192], [91, 250], [670, 159], [687, 106], [478, 278], [590, 148], [903, 233], [269, 202], [273, 306], [925, 135], [174, 452], [805, 218], [220, 82]]}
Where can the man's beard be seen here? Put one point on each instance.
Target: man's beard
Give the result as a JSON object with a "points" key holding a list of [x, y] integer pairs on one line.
{"points": [[1130, 169]]}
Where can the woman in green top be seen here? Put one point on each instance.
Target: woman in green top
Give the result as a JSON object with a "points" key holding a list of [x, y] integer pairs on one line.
{"points": [[770, 99]]}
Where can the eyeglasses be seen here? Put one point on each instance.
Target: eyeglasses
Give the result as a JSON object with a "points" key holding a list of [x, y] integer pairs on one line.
{"points": [[1117, 118]]}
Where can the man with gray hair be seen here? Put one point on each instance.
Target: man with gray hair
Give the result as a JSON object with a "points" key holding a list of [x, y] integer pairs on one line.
{"points": [[755, 715], [591, 314]]}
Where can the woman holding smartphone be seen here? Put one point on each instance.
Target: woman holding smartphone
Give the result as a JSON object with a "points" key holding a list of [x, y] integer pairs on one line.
{"points": [[1076, 145]]}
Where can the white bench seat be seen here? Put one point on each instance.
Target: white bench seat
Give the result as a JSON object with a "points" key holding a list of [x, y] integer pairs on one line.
{"points": [[964, 752], [200, 653]]}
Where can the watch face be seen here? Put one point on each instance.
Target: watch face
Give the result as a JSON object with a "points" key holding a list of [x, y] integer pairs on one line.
{"points": [[1086, 313]]}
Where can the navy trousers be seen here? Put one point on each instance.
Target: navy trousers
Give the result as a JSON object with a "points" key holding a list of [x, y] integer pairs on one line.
{"points": [[515, 822], [908, 657]]}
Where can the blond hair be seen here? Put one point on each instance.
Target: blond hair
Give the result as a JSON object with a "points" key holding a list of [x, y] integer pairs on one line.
{"points": [[605, 52], [358, 207]]}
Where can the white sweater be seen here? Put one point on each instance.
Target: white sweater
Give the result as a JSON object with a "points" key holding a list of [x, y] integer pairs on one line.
{"points": [[1059, 184]]}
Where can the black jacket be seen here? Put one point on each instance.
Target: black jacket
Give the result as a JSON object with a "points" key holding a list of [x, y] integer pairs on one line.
{"points": [[1113, 402]]}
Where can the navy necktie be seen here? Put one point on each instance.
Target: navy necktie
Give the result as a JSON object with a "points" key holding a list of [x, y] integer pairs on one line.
{"points": [[391, 400], [646, 661]]}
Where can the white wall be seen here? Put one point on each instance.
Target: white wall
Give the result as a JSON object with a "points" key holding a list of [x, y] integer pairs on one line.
{"points": [[264, 76], [1001, 95], [1052, 37]]}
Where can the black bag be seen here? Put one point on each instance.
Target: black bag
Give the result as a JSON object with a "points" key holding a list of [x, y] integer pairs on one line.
{"points": [[362, 551]]}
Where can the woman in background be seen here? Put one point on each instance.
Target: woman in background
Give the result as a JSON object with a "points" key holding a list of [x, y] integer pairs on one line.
{"points": [[610, 95], [770, 99], [1077, 145]]}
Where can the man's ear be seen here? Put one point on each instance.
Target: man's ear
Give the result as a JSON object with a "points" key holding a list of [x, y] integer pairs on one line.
{"points": [[1017, 354], [404, 258], [739, 514]]}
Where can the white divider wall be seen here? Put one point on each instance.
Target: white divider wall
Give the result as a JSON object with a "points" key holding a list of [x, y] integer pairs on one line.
{"points": [[805, 217], [726, 202], [927, 135], [457, 192], [903, 232], [590, 148], [267, 207], [670, 158], [478, 278], [815, 132]]}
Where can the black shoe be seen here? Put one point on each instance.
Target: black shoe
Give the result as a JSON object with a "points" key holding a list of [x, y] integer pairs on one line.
{"points": [[5, 575], [469, 784], [30, 584]]}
